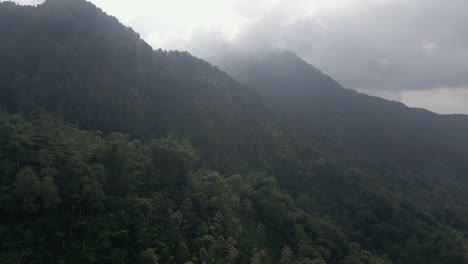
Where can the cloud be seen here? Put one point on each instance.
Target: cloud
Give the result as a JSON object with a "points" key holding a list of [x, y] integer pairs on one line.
{"points": [[390, 45], [26, 2], [441, 100], [397, 49]]}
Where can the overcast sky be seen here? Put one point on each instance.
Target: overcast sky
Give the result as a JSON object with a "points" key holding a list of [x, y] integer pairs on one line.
{"points": [[413, 51]]}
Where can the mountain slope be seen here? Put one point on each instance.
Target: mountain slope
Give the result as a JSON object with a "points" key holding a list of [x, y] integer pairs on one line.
{"points": [[156, 195], [69, 59], [72, 196], [411, 137], [416, 152]]}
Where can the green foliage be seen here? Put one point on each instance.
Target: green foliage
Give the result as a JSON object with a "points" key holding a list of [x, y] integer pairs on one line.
{"points": [[287, 256], [185, 216], [148, 256], [199, 169], [49, 193], [117, 82], [27, 189], [412, 163]]}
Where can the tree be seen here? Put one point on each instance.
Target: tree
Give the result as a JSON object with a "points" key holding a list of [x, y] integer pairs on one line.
{"points": [[148, 256], [28, 189], [259, 257], [7, 202], [49, 193], [232, 252], [204, 255], [83, 231], [287, 256], [256, 257], [93, 195], [183, 251]]}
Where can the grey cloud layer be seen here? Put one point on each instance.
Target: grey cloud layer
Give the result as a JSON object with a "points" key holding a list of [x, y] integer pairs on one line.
{"points": [[393, 45]]}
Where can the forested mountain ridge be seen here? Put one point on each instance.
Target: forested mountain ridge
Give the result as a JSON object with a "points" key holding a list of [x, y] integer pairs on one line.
{"points": [[375, 125], [144, 201], [73, 61], [413, 151], [233, 184]]}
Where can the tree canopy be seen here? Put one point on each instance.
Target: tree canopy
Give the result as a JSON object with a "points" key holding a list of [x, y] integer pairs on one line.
{"points": [[112, 152]]}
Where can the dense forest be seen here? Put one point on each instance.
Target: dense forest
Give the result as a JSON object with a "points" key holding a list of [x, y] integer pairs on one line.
{"points": [[415, 152], [112, 152]]}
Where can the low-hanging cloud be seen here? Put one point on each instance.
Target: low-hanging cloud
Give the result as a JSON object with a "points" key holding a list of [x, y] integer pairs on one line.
{"points": [[385, 48], [436, 99], [390, 45]]}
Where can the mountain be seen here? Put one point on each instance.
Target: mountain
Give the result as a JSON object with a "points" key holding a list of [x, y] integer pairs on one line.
{"points": [[69, 59], [414, 151], [407, 136], [113, 152]]}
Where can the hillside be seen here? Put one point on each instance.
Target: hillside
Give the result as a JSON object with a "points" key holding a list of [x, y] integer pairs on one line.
{"points": [[414, 151], [73, 61], [410, 137], [112, 152]]}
